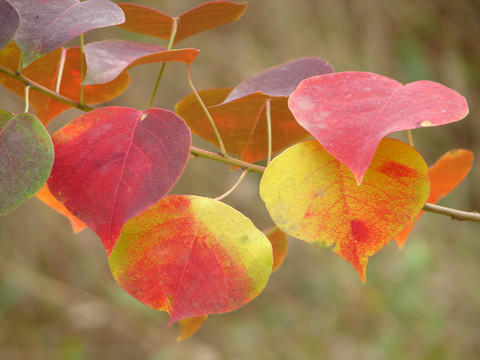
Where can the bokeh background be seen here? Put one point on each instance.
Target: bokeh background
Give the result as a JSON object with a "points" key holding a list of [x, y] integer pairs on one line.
{"points": [[58, 299]]}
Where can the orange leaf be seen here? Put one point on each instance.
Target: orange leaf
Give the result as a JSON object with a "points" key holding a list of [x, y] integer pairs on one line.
{"points": [[152, 22], [46, 196], [44, 71], [190, 326], [445, 175], [242, 123], [279, 241], [312, 196]]}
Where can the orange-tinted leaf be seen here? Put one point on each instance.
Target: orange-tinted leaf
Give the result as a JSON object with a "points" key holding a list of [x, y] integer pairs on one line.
{"points": [[312, 196], [26, 158], [191, 256], [242, 123], [350, 112], [190, 326], [445, 175], [279, 241], [113, 163], [44, 71], [281, 80], [109, 58], [10, 20], [209, 15], [47, 24], [46, 196]]}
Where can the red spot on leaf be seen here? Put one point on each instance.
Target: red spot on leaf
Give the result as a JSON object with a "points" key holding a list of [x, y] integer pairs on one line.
{"points": [[396, 170], [360, 230]]}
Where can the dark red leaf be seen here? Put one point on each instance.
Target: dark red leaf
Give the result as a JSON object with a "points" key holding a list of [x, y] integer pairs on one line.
{"points": [[9, 20], [281, 80], [350, 112], [107, 59], [45, 25], [113, 163]]}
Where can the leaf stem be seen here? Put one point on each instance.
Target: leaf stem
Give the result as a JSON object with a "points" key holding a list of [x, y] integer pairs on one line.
{"points": [[221, 197], [226, 160], [217, 134], [61, 66], [27, 102], [35, 86], [410, 138], [160, 74], [82, 71], [269, 131], [453, 213]]}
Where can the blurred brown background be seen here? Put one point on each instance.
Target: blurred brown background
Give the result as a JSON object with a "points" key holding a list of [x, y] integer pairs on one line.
{"points": [[59, 301]]}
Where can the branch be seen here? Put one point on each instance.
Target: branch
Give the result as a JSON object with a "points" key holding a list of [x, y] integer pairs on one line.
{"points": [[35, 86], [453, 213]]}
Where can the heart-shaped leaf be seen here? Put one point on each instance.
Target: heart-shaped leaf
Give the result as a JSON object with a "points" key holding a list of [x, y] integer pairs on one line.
{"points": [[242, 123], [25, 160], [191, 256], [45, 72], [445, 175], [350, 112], [209, 15], [46, 25], [312, 196], [46, 197], [279, 241], [113, 163], [107, 59], [9, 20], [281, 80]]}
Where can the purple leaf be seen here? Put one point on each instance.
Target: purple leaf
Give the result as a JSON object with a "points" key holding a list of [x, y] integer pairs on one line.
{"points": [[9, 20], [45, 25], [281, 80]]}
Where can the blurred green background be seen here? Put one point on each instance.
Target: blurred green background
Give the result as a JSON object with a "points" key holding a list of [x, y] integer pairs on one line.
{"points": [[58, 299]]}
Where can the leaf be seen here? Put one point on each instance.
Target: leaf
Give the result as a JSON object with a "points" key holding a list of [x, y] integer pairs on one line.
{"points": [[10, 20], [190, 326], [45, 25], [25, 159], [107, 59], [312, 196], [242, 123], [350, 112], [445, 175], [47, 198], [191, 256], [281, 80], [209, 15], [115, 162], [279, 241], [44, 71]]}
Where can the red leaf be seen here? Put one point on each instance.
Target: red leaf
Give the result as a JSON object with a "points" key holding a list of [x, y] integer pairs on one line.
{"points": [[47, 24], [44, 71], [10, 20], [350, 112], [152, 22], [445, 175], [281, 80], [191, 256], [113, 163], [107, 59]]}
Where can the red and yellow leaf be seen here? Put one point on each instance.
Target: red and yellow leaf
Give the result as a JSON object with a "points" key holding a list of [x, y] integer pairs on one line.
{"points": [[312, 196], [25, 159], [445, 175], [48, 24], [115, 162], [45, 71], [242, 123], [190, 326], [46, 197], [279, 241], [191, 256], [350, 112], [109, 58], [152, 22]]}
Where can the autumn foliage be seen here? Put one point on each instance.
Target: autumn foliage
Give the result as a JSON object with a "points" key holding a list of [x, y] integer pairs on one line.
{"points": [[332, 177]]}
